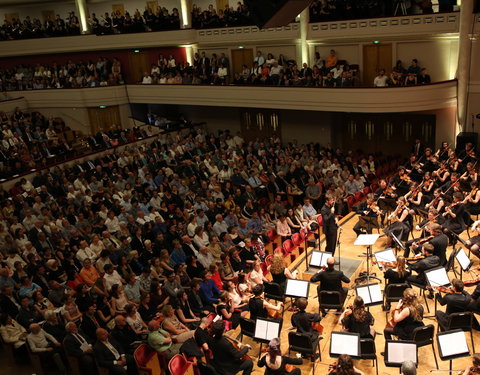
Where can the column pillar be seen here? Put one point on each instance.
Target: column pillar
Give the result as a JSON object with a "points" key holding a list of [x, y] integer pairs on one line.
{"points": [[189, 50], [304, 20], [186, 14], [464, 62], [82, 12]]}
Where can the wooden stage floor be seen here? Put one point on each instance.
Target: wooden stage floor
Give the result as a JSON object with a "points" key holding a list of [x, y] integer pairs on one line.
{"points": [[331, 321]]}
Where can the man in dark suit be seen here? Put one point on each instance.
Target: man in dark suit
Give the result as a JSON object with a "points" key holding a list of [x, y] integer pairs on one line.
{"points": [[124, 334], [8, 303], [77, 345], [330, 226], [456, 302], [331, 280], [439, 242], [110, 354], [227, 359], [430, 261]]}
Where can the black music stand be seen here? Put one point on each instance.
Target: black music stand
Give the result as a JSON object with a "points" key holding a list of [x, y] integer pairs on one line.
{"points": [[452, 345], [463, 261], [396, 352], [345, 343], [370, 293], [265, 330], [398, 243], [367, 240]]}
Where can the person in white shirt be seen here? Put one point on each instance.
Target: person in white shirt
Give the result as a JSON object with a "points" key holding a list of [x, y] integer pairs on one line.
{"points": [[259, 59], [147, 79], [205, 257], [111, 277], [112, 223], [85, 252], [381, 79], [337, 71], [256, 276], [43, 343], [220, 225]]}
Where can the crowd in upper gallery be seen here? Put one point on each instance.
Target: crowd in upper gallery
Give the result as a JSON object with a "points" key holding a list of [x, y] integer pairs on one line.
{"points": [[161, 19]]}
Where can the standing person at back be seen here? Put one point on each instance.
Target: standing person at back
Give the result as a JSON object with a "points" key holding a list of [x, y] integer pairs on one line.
{"points": [[330, 226], [331, 280]]}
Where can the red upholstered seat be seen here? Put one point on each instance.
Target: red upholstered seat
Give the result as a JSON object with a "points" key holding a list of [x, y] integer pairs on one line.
{"points": [[272, 234], [320, 220], [297, 239], [358, 196], [268, 260], [148, 361], [366, 190], [288, 246], [351, 201], [178, 365]]}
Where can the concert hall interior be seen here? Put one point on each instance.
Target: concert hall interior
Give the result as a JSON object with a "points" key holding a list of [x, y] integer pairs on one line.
{"points": [[276, 187]]}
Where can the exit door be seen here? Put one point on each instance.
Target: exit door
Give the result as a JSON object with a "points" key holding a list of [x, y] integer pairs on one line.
{"points": [[375, 58]]}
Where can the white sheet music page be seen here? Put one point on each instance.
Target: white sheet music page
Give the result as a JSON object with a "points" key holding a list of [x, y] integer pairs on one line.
{"points": [[261, 329], [438, 277], [453, 343], [344, 344], [399, 352], [272, 330], [297, 288], [316, 259]]}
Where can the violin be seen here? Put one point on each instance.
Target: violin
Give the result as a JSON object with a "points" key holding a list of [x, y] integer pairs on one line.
{"points": [[447, 290], [385, 264], [413, 259], [273, 314], [236, 344], [449, 208], [423, 240], [471, 282]]}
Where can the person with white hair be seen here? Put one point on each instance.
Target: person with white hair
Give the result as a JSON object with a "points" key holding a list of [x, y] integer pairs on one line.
{"points": [[408, 368], [45, 345]]}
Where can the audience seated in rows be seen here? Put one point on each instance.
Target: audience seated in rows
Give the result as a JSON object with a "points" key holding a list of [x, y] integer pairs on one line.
{"points": [[399, 76], [103, 72], [144, 244], [229, 17]]}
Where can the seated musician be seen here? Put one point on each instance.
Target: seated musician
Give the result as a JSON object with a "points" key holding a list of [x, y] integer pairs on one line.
{"points": [[258, 306], [385, 195], [457, 300], [437, 203], [415, 197], [474, 367], [331, 280], [303, 320], [370, 211], [403, 224], [452, 185], [201, 336], [437, 238], [275, 363], [428, 262], [227, 359], [473, 243], [357, 319], [455, 215], [472, 200], [344, 366], [432, 217], [397, 275], [407, 316], [401, 181]]}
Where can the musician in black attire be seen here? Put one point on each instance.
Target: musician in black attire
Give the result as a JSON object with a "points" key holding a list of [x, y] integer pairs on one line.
{"points": [[330, 226], [331, 280], [386, 196], [401, 181], [456, 302], [358, 319], [258, 306], [473, 243], [438, 239], [227, 359], [430, 261], [370, 211], [302, 320], [455, 214], [467, 155]]}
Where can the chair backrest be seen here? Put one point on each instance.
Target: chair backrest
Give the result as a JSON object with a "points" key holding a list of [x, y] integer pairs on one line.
{"points": [[247, 327], [424, 335], [367, 349], [461, 320], [299, 341], [271, 233], [147, 360], [289, 246], [178, 365], [268, 259], [320, 220], [394, 292], [297, 239], [327, 298], [273, 290]]}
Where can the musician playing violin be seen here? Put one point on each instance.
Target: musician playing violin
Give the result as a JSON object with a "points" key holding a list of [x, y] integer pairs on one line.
{"points": [[407, 316], [277, 364], [474, 368], [258, 306], [472, 200], [401, 181], [442, 152], [403, 224], [455, 214], [358, 319], [227, 358], [452, 185], [436, 238], [399, 274], [415, 197], [303, 320], [467, 155], [457, 300], [344, 366], [385, 196], [414, 168], [437, 202], [428, 262], [370, 209]]}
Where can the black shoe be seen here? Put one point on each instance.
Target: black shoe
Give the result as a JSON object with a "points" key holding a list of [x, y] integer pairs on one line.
{"points": [[430, 295], [314, 357], [382, 354]]}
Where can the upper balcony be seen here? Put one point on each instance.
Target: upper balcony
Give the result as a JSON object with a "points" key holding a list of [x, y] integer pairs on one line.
{"points": [[362, 100], [364, 29]]}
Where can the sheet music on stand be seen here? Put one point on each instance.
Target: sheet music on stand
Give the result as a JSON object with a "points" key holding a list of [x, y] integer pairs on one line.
{"points": [[452, 344], [366, 239], [370, 293], [437, 277], [463, 260], [297, 288], [319, 258], [266, 329], [385, 256], [396, 352], [344, 343]]}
